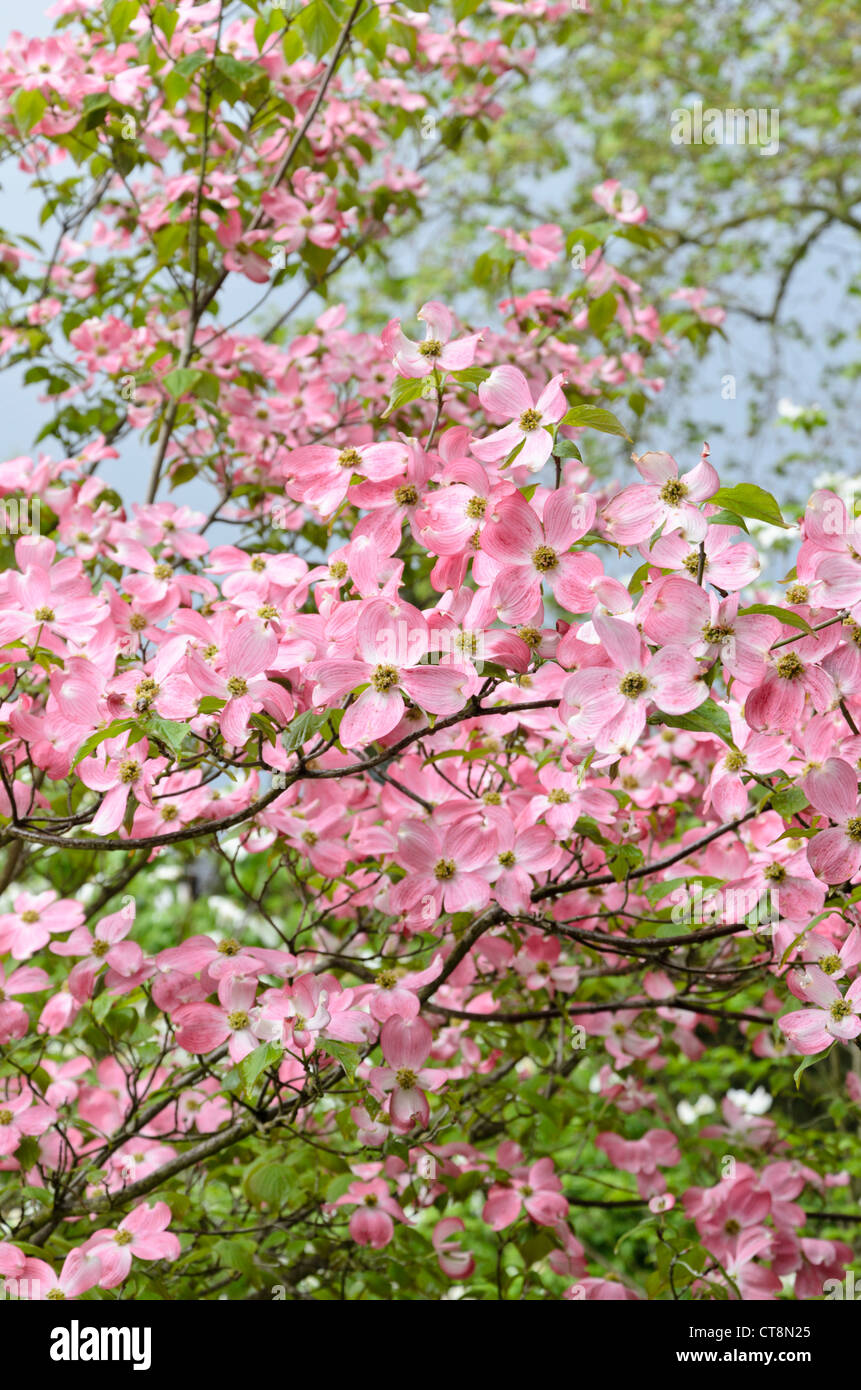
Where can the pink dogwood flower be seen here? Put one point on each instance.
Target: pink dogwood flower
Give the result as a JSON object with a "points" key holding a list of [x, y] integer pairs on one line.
{"points": [[524, 553], [835, 855], [835, 1017], [28, 928], [621, 203], [405, 1044], [535, 1189], [240, 681], [664, 499], [81, 1271], [642, 1157], [610, 708], [506, 393], [373, 1221], [436, 352], [142, 1234], [390, 651]]}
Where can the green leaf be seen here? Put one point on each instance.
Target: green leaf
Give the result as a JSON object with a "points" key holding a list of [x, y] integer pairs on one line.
{"points": [[594, 418], [29, 108], [782, 614], [471, 376], [180, 382], [122, 14], [28, 1153], [707, 718], [788, 802], [628, 857], [319, 26], [727, 518], [808, 1062], [252, 1067], [404, 390], [347, 1054], [601, 313], [303, 728], [119, 726], [102, 1005], [567, 449], [272, 1184], [211, 704], [751, 501], [170, 732]]}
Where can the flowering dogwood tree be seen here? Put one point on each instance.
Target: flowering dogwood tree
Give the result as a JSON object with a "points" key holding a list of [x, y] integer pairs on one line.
{"points": [[399, 842]]}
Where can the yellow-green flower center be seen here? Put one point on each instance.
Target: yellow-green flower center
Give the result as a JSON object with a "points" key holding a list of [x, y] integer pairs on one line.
{"points": [[633, 685], [444, 869], [384, 678], [545, 558]]}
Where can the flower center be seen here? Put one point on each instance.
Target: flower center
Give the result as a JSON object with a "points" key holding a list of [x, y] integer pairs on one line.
{"points": [[349, 458], [5, 1117], [258, 564], [775, 872], [123, 1238], [238, 1020], [29, 915], [529, 421], [673, 492], [545, 558], [734, 761], [384, 678], [406, 1078], [692, 563], [444, 868], [507, 859], [841, 1008], [797, 593], [557, 796], [130, 770], [633, 685], [829, 964], [530, 635], [55, 1295], [145, 692], [492, 799], [44, 615], [407, 495], [790, 667], [237, 686], [100, 948], [310, 837], [267, 612], [853, 828], [169, 812], [163, 572], [229, 947], [387, 979], [338, 569], [476, 508], [717, 634], [431, 347]]}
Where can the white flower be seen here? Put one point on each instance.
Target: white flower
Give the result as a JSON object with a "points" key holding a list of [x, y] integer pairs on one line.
{"points": [[689, 1114], [757, 1102]]}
